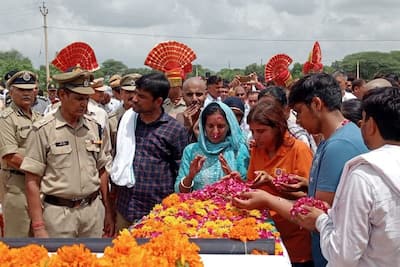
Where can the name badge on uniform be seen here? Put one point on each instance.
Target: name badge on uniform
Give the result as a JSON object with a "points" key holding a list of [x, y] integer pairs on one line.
{"points": [[62, 143]]}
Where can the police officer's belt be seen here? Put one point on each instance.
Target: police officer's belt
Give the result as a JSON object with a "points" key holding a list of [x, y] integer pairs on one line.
{"points": [[16, 172], [71, 203]]}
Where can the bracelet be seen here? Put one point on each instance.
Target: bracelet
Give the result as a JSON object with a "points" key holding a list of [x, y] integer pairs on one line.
{"points": [[184, 186], [37, 225]]}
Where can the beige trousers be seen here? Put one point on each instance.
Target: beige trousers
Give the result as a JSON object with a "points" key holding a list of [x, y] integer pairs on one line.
{"points": [[85, 221]]}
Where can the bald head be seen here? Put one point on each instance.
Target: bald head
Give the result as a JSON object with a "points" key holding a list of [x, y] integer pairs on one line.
{"points": [[376, 83], [194, 91]]}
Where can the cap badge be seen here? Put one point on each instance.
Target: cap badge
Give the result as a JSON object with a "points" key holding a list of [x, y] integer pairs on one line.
{"points": [[133, 83], [85, 83], [26, 77]]}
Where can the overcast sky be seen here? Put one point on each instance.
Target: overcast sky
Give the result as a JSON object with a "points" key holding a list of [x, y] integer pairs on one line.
{"points": [[223, 33]]}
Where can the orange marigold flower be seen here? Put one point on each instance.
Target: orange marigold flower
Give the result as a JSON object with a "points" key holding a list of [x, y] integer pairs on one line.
{"points": [[75, 256], [244, 229], [30, 255]]}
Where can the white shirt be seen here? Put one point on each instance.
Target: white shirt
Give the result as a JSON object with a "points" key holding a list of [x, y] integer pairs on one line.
{"points": [[363, 226], [210, 99], [348, 96]]}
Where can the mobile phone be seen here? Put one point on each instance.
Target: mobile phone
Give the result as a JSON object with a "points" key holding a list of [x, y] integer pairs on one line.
{"points": [[244, 79]]}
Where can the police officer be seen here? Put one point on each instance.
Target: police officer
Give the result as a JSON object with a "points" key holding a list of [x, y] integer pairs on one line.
{"points": [[66, 162], [15, 124], [127, 90], [40, 103]]}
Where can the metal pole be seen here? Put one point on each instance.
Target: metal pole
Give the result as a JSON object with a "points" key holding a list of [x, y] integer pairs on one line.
{"points": [[43, 9], [358, 69]]}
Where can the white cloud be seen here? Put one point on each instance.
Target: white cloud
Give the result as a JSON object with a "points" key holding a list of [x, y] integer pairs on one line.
{"points": [[223, 33]]}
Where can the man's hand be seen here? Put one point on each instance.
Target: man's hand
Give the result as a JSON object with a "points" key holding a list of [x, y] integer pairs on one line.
{"points": [[191, 115], [308, 221], [251, 200], [235, 82], [40, 233], [109, 224]]}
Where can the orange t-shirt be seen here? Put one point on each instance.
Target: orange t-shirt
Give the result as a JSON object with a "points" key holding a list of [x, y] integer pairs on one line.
{"points": [[293, 159]]}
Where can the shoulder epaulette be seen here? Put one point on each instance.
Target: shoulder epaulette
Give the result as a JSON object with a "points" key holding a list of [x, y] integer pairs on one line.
{"points": [[43, 121], [37, 113], [6, 112], [113, 114], [90, 117]]}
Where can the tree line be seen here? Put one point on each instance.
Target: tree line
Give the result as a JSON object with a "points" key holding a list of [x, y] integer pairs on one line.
{"points": [[371, 64]]}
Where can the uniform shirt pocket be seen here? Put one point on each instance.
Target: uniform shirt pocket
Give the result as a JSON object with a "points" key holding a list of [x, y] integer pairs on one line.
{"points": [[61, 156], [24, 131], [93, 152]]}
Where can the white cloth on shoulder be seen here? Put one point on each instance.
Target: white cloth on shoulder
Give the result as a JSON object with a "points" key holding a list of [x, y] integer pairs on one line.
{"points": [[122, 173]]}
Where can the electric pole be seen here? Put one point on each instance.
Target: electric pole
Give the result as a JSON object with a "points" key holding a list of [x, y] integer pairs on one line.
{"points": [[43, 9]]}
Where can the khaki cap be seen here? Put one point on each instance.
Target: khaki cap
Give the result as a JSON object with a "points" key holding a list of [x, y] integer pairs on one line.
{"points": [[128, 81], [376, 83], [114, 81], [22, 80], [75, 81], [98, 85], [51, 87]]}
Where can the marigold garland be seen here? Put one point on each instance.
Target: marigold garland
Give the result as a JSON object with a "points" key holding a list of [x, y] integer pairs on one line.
{"points": [[167, 250]]}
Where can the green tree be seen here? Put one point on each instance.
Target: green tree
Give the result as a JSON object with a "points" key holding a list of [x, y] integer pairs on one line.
{"points": [[14, 60], [229, 74], [259, 69], [42, 75], [370, 63], [199, 70], [111, 67], [297, 70], [142, 71]]}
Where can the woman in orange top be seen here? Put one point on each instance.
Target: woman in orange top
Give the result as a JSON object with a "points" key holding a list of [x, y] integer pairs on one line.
{"points": [[277, 152]]}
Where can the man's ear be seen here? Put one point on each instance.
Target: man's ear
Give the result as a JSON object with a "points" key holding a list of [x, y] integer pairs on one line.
{"points": [[372, 126], [316, 104], [159, 101]]}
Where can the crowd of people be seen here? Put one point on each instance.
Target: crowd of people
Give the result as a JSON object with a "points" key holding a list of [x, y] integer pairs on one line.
{"points": [[96, 158]]}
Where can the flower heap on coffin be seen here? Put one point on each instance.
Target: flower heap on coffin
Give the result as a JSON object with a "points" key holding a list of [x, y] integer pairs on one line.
{"points": [[208, 213], [170, 249]]}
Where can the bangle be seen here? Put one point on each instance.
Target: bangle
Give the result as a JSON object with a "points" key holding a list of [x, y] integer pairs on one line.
{"points": [[184, 186], [37, 225]]}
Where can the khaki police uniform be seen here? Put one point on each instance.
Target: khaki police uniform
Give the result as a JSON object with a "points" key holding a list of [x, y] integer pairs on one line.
{"points": [[68, 160], [15, 126], [96, 112]]}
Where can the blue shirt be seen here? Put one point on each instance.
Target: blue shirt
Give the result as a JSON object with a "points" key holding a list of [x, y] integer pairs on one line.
{"points": [[159, 147], [327, 167]]}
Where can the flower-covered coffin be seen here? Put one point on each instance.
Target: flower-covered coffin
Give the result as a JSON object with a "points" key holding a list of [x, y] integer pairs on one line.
{"points": [[208, 214]]}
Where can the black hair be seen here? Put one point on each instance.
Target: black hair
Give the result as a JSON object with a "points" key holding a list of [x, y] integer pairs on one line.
{"points": [[320, 85], [358, 82], [213, 79], [277, 92], [352, 110], [383, 105], [211, 109], [155, 83], [393, 76]]}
